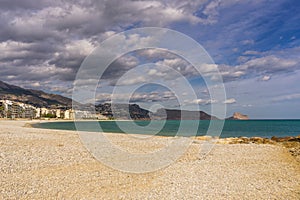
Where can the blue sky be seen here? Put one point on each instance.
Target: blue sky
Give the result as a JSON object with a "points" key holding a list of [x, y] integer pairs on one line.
{"points": [[254, 43]]}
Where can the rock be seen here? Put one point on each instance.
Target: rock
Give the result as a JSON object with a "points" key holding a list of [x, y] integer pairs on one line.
{"points": [[238, 116], [244, 140], [241, 140], [274, 138], [286, 139], [295, 139], [257, 140], [205, 138]]}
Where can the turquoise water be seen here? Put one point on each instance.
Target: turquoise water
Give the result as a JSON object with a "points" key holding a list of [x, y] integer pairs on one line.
{"points": [[232, 128]]}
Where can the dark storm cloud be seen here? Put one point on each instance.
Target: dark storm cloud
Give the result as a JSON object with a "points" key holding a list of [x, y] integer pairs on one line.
{"points": [[120, 66], [67, 61]]}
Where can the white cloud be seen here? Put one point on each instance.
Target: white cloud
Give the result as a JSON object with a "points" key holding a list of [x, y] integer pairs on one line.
{"points": [[230, 101], [171, 62], [200, 101], [247, 42], [252, 53], [287, 97], [152, 72], [247, 105], [178, 64], [80, 47], [271, 63], [36, 84], [208, 68], [62, 33], [137, 97], [265, 78], [132, 80], [156, 53]]}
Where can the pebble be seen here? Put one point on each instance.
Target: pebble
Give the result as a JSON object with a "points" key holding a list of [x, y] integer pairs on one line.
{"points": [[35, 166]]}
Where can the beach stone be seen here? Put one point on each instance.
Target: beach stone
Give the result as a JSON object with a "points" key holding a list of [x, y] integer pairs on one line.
{"points": [[244, 140], [257, 140], [274, 138], [205, 138], [285, 139], [36, 167], [295, 139]]}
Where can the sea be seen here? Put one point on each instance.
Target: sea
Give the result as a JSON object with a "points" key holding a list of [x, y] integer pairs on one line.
{"points": [[230, 128]]}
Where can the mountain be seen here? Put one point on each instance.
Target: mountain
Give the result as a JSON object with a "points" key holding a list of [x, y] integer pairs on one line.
{"points": [[238, 116], [33, 97], [170, 114], [42, 99], [138, 113], [121, 111]]}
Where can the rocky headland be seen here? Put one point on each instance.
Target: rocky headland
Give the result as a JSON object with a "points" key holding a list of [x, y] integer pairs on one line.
{"points": [[238, 116]]}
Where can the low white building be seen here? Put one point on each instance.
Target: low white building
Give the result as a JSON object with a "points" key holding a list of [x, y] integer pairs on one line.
{"points": [[38, 113], [58, 113], [69, 114], [12, 109], [44, 111]]}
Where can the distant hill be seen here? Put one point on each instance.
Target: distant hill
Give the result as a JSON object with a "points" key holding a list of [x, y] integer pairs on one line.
{"points": [[42, 99], [185, 114], [121, 111], [138, 113], [33, 97], [238, 116]]}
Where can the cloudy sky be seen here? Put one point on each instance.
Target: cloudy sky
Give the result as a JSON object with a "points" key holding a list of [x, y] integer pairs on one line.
{"points": [[254, 43]]}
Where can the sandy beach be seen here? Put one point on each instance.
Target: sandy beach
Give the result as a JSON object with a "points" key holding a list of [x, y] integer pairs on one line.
{"points": [[53, 164]]}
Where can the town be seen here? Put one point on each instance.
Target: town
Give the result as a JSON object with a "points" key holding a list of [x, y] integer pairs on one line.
{"points": [[15, 110]]}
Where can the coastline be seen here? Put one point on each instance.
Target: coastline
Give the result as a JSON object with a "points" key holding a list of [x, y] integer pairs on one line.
{"points": [[289, 142], [41, 163]]}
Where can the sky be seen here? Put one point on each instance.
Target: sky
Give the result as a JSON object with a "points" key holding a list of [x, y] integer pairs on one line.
{"points": [[255, 44]]}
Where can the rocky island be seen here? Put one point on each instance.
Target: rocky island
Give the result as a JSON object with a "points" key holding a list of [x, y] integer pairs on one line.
{"points": [[238, 116]]}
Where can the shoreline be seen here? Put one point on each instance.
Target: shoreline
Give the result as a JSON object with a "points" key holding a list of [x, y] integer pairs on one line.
{"points": [[292, 143], [30, 123], [44, 164]]}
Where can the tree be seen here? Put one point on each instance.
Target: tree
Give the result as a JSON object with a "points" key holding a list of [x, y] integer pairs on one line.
{"points": [[2, 111], [49, 115]]}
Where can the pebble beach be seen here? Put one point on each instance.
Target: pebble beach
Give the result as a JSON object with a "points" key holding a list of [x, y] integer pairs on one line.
{"points": [[53, 164]]}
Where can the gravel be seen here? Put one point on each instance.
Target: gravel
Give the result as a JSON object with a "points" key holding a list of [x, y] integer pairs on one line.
{"points": [[52, 164]]}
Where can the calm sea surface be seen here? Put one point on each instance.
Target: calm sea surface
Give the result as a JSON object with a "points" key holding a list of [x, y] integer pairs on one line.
{"points": [[247, 128]]}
